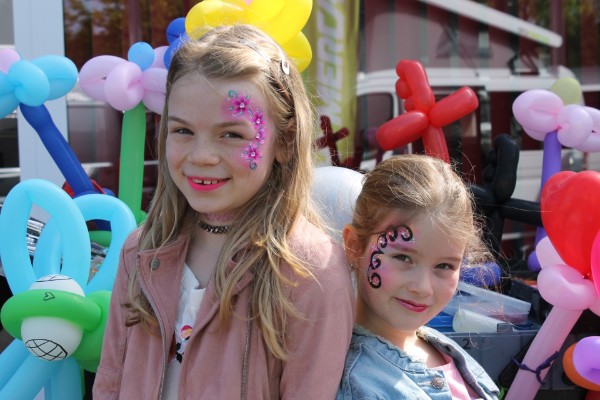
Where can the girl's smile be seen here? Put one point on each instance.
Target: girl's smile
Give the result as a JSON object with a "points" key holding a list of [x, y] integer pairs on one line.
{"points": [[206, 184], [412, 306], [220, 142]]}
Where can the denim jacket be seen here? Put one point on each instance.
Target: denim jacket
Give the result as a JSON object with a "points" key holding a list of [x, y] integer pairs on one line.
{"points": [[376, 369]]}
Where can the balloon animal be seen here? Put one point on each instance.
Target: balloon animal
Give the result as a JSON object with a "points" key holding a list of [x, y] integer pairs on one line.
{"points": [[424, 117], [569, 255], [129, 85], [57, 313]]}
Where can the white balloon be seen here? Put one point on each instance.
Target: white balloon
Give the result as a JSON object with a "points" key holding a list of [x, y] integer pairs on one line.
{"points": [[334, 191], [52, 338], [57, 282]]}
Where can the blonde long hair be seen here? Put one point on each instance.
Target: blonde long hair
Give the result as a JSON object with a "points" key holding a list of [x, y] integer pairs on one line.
{"points": [[229, 52]]}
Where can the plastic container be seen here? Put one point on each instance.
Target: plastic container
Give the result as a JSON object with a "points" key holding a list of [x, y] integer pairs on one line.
{"points": [[489, 303], [468, 321]]}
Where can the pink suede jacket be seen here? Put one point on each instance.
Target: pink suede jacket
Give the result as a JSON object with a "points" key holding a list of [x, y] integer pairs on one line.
{"points": [[133, 361]]}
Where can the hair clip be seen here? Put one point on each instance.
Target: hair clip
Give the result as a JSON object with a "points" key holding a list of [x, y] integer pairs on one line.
{"points": [[285, 65], [255, 47]]}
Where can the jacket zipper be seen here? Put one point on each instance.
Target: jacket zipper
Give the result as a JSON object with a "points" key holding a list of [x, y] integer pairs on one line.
{"points": [[162, 336]]}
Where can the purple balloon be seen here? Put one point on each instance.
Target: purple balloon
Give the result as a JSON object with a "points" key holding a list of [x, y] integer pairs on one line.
{"points": [[585, 358]]}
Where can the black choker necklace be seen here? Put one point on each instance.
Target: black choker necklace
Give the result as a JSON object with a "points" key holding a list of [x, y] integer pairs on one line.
{"points": [[219, 229]]}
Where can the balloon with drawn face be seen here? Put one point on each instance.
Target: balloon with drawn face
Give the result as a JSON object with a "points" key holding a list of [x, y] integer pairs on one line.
{"points": [[57, 314]]}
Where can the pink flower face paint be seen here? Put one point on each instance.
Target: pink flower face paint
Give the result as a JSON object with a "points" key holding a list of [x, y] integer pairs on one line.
{"points": [[404, 232], [252, 155], [240, 106]]}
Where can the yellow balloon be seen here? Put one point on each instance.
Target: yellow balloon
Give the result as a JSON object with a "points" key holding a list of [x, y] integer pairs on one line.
{"points": [[290, 20], [210, 13], [568, 89], [280, 19], [259, 11], [298, 49]]}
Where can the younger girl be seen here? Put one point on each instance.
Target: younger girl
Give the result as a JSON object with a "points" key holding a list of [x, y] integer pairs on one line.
{"points": [[229, 290], [413, 227]]}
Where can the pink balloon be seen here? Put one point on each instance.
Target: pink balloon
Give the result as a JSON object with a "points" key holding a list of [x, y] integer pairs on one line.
{"points": [[7, 58], [123, 88], [586, 360], [566, 288], [546, 253], [547, 341], [595, 306], [595, 261], [592, 144], [536, 110], [154, 82], [92, 76], [159, 57], [575, 125], [123, 84]]}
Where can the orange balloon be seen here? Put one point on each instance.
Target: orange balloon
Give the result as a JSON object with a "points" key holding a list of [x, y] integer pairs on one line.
{"points": [[572, 373]]}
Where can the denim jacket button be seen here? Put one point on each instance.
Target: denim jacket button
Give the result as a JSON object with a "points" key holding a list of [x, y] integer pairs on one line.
{"points": [[437, 382], [154, 264]]}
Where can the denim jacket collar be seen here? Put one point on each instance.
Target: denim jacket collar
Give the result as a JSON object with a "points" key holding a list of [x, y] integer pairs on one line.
{"points": [[375, 351]]}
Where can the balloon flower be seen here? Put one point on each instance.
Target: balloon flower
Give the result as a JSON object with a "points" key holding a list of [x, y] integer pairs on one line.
{"points": [[57, 314], [424, 117], [281, 19], [29, 84], [129, 85], [570, 260], [544, 116], [580, 363]]}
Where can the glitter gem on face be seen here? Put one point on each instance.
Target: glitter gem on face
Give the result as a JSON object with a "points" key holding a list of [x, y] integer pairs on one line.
{"points": [[239, 102], [252, 155]]}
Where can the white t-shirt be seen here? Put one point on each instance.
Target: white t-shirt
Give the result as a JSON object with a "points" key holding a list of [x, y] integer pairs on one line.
{"points": [[190, 298]]}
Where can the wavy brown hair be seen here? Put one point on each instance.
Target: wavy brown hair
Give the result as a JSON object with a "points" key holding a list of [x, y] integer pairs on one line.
{"points": [[230, 52]]}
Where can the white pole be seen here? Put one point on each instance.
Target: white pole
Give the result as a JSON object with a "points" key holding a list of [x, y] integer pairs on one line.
{"points": [[39, 31]]}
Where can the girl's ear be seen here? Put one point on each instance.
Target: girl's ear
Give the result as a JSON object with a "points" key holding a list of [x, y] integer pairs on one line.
{"points": [[351, 244]]}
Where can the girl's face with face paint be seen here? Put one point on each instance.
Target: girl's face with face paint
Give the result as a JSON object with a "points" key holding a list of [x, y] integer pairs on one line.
{"points": [[406, 274], [220, 143]]}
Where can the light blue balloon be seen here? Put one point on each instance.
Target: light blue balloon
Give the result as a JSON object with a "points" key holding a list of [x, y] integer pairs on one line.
{"points": [[22, 375], [28, 379], [142, 54], [61, 73], [76, 248], [10, 360], [48, 247], [122, 223], [92, 206], [65, 383], [8, 100], [30, 82]]}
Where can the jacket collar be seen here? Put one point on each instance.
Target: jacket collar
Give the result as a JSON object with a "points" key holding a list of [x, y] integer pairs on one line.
{"points": [[160, 271]]}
